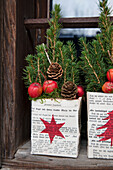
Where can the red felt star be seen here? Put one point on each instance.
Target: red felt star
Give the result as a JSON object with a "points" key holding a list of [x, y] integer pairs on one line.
{"points": [[52, 128]]}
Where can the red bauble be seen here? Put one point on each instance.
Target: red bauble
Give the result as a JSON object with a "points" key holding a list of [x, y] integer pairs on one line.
{"points": [[49, 86], [35, 90], [110, 75], [80, 91], [107, 87]]}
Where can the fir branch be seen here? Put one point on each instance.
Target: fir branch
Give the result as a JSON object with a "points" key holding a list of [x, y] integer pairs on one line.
{"points": [[38, 64], [43, 75], [96, 56], [57, 51], [53, 31], [57, 56], [50, 40], [110, 56], [99, 66], [62, 55], [90, 63], [29, 77], [43, 60], [54, 39], [47, 54], [95, 49], [73, 77], [92, 69], [101, 43], [108, 51], [112, 46], [44, 65], [65, 70], [32, 64]]}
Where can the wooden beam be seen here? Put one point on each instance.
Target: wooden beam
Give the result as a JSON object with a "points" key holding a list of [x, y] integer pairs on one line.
{"points": [[1, 56], [24, 160], [79, 22], [24, 46], [15, 46], [9, 77], [41, 12]]}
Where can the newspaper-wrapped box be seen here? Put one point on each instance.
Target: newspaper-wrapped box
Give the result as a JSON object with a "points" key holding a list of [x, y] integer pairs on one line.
{"points": [[100, 125], [55, 127]]}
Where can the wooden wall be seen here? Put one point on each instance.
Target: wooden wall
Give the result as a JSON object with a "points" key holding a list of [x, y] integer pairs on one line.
{"points": [[41, 12], [15, 46], [1, 37], [16, 42]]}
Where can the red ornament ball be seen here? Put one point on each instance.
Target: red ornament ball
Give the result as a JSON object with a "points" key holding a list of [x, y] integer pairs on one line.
{"points": [[80, 91], [49, 86], [35, 90], [107, 87], [110, 75]]}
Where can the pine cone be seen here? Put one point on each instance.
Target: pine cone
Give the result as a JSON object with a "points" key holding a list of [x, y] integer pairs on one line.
{"points": [[69, 90], [54, 71]]}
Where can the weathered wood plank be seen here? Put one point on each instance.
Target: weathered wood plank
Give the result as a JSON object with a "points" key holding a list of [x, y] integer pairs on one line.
{"points": [[9, 77], [24, 46], [41, 12], [24, 159], [79, 22], [1, 55], [15, 46], [15, 168]]}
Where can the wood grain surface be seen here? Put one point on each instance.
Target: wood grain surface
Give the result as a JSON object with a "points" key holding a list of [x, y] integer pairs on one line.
{"points": [[15, 46], [9, 76], [1, 39], [41, 12], [78, 22], [23, 159]]}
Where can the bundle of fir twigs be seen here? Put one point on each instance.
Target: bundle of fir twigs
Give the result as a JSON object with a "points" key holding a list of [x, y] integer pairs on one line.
{"points": [[97, 55], [57, 61]]}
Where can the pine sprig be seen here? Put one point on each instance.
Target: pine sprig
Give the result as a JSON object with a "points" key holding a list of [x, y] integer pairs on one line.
{"points": [[56, 52], [53, 31], [97, 56]]}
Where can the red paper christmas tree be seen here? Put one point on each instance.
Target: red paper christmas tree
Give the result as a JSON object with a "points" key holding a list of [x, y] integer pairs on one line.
{"points": [[108, 134]]}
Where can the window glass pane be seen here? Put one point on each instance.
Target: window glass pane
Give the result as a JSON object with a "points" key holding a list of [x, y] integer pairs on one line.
{"points": [[80, 8]]}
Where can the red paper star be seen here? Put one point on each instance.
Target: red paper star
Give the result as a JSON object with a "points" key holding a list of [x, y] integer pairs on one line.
{"points": [[52, 128]]}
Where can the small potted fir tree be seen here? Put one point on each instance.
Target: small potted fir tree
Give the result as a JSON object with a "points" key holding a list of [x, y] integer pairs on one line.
{"points": [[50, 77], [97, 66]]}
